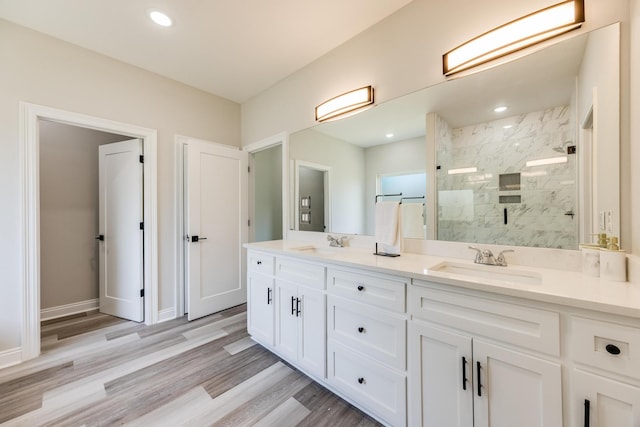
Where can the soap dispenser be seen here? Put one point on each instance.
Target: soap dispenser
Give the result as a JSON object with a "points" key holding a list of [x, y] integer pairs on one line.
{"points": [[613, 262]]}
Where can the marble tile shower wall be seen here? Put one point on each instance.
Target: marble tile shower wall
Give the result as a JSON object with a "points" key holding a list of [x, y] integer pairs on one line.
{"points": [[469, 208]]}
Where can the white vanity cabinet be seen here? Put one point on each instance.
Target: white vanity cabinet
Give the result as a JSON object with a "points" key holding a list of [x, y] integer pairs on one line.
{"points": [[367, 329], [605, 378], [261, 297], [301, 314], [464, 369]]}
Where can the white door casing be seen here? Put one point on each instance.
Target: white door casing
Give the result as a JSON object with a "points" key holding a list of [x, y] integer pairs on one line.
{"points": [[121, 237], [217, 227]]}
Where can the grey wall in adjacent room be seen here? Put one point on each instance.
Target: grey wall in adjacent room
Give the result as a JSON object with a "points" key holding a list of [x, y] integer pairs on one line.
{"points": [[69, 212]]}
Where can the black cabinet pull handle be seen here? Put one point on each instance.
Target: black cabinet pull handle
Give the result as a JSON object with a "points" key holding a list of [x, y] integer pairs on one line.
{"points": [[464, 373], [361, 329], [478, 366], [360, 288], [269, 295], [361, 380], [298, 301], [293, 309], [587, 412], [612, 349]]}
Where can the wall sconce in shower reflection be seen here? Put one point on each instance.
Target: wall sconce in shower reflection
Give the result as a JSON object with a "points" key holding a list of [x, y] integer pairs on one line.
{"points": [[515, 35], [345, 105]]}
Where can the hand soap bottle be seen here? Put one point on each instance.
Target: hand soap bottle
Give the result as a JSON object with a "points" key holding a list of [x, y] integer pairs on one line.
{"points": [[613, 262]]}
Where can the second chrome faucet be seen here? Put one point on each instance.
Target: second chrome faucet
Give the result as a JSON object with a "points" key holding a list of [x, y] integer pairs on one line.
{"points": [[485, 256]]}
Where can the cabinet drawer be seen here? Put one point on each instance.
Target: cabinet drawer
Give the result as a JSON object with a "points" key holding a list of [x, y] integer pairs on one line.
{"points": [[260, 262], [300, 272], [369, 330], [596, 343], [383, 291], [510, 323], [380, 390]]}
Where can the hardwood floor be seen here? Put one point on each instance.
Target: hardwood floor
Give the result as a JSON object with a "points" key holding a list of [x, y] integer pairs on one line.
{"points": [[97, 370]]}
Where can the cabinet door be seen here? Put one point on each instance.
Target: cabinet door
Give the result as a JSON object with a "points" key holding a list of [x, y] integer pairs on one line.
{"points": [[260, 308], [312, 340], [602, 402], [515, 389], [287, 319], [440, 377]]}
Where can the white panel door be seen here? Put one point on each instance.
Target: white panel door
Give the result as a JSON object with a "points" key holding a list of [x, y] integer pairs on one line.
{"points": [[121, 238], [261, 308], [312, 350], [217, 227], [603, 402], [515, 389], [287, 314], [440, 377]]}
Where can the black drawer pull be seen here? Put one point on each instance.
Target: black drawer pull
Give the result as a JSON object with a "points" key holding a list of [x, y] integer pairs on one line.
{"points": [[269, 296], [360, 288], [259, 262], [478, 366], [587, 410], [361, 380], [464, 373], [612, 349], [361, 329]]}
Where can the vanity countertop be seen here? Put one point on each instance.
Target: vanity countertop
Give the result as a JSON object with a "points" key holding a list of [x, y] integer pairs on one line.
{"points": [[568, 288]]}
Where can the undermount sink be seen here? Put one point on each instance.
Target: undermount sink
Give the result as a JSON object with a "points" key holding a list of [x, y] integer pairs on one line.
{"points": [[504, 274], [319, 250]]}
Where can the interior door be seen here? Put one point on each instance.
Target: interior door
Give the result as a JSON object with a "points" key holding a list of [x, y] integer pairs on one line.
{"points": [[121, 236], [217, 227]]}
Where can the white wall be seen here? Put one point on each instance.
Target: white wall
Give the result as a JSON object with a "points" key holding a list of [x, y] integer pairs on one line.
{"points": [[268, 194], [42, 70], [403, 53], [346, 176], [69, 212]]}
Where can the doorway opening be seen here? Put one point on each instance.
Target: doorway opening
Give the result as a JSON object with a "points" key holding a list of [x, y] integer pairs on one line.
{"points": [[312, 207], [30, 117]]}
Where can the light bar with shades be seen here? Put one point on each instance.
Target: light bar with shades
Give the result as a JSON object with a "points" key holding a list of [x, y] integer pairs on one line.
{"points": [[515, 35], [345, 105]]}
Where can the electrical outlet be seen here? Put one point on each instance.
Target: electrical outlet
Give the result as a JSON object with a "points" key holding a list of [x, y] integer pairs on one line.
{"points": [[601, 220]]}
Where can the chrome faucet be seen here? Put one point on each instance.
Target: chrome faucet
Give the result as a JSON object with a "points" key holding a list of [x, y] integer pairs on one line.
{"points": [[336, 242], [485, 256]]}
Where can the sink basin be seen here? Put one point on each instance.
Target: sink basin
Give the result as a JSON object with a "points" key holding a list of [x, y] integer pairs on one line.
{"points": [[503, 274], [319, 250]]}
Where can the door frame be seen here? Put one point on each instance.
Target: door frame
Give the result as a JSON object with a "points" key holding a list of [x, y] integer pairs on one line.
{"points": [[326, 171], [30, 115], [282, 139]]}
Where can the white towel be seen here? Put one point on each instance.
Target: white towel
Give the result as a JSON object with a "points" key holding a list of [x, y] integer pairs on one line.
{"points": [[412, 220], [388, 226]]}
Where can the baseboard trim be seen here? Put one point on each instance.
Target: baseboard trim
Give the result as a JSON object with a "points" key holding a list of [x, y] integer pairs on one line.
{"points": [[68, 309], [10, 357], [166, 314]]}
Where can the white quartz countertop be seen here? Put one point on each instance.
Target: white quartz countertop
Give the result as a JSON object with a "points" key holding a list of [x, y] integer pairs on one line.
{"points": [[567, 288]]}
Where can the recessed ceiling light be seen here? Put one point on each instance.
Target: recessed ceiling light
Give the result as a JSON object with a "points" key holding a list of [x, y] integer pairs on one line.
{"points": [[389, 135], [160, 18], [507, 126], [500, 109]]}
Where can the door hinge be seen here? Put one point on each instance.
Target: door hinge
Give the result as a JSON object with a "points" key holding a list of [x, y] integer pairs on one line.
{"points": [[141, 293], [141, 158], [249, 169], [142, 226], [249, 223]]}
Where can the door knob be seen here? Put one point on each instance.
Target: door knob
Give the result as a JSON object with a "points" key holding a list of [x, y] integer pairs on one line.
{"points": [[197, 238], [100, 237]]}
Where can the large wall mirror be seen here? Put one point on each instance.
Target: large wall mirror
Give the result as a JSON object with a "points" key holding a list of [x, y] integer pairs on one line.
{"points": [[544, 172]]}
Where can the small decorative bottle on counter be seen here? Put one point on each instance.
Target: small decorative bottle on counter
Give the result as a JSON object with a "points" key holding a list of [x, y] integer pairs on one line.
{"points": [[613, 262]]}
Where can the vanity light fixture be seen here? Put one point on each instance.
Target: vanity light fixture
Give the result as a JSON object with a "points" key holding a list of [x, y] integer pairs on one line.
{"points": [[160, 18], [345, 105], [515, 35], [462, 170], [549, 161]]}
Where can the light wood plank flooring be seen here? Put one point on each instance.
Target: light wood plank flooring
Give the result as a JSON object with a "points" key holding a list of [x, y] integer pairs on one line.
{"points": [[97, 370]]}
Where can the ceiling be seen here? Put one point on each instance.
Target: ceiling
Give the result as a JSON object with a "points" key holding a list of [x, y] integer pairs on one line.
{"points": [[231, 48]]}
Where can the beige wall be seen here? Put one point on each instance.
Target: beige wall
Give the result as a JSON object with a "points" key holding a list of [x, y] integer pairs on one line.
{"points": [[42, 70], [69, 212]]}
